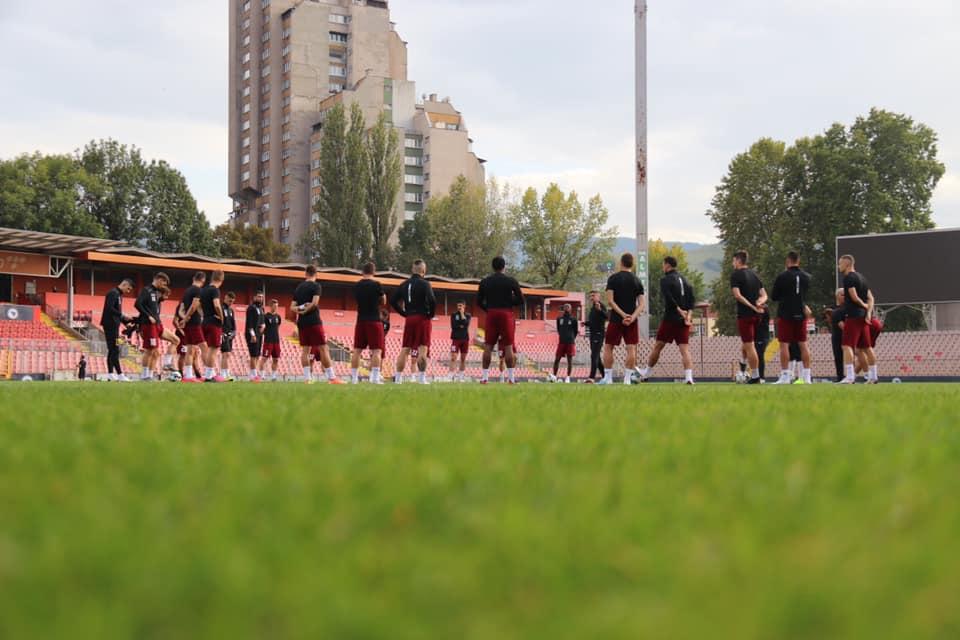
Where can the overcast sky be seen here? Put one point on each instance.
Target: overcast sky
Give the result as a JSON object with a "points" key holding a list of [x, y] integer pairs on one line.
{"points": [[546, 86]]}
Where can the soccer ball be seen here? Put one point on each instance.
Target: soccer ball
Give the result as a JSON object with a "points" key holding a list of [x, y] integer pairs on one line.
{"points": [[174, 376], [741, 377]]}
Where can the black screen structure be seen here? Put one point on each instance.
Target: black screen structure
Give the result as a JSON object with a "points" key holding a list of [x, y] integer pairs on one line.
{"points": [[917, 267]]}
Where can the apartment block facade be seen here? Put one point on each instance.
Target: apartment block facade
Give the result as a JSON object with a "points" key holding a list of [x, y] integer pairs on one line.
{"points": [[290, 62]]}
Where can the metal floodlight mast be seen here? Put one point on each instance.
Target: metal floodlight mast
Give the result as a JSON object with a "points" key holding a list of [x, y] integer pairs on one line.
{"points": [[643, 268]]}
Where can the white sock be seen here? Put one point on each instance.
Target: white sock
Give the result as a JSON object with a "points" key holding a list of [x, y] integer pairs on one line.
{"points": [[308, 373], [253, 373], [688, 375], [807, 375], [375, 374], [188, 371], [485, 375], [645, 372], [755, 373], [511, 375], [872, 375], [851, 372], [167, 360], [355, 375], [628, 376], [145, 374], [608, 375], [330, 374], [398, 377]]}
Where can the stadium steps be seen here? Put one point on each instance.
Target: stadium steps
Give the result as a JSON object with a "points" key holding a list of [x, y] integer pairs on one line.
{"points": [[6, 364]]}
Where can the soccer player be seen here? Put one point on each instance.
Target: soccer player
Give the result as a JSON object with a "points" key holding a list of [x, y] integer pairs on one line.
{"points": [[415, 301], [368, 333], [751, 297], [836, 317], [229, 333], [596, 325], [626, 298], [497, 295], [856, 330], [306, 304], [459, 341], [212, 326], [168, 335], [148, 304], [790, 291], [181, 351], [271, 339], [192, 325], [567, 345], [254, 335], [110, 320], [678, 301]]}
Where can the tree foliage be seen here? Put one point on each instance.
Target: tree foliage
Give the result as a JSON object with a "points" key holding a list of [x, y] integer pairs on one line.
{"points": [[384, 173], [656, 252], [876, 176], [249, 243], [562, 242], [459, 233]]}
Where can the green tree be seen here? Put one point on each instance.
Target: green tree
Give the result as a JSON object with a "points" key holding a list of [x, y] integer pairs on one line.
{"points": [[172, 222], [52, 194], [459, 233], [656, 252], [342, 236], [119, 204], [249, 243], [384, 174], [562, 242], [876, 176]]}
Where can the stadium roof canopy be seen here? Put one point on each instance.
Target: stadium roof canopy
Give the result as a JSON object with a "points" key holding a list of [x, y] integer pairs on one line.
{"points": [[36, 241]]}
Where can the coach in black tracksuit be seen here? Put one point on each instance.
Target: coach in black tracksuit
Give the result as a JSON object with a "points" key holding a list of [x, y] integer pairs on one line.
{"points": [[110, 321], [596, 326]]}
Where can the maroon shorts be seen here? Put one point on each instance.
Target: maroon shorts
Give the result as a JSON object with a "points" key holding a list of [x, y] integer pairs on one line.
{"points": [[502, 349], [670, 331], [212, 335], [312, 336], [617, 333], [316, 351], [500, 327], [791, 331], [182, 347], [150, 333], [193, 335], [271, 350], [874, 329], [417, 332], [368, 334], [856, 333], [747, 327], [460, 346], [566, 350]]}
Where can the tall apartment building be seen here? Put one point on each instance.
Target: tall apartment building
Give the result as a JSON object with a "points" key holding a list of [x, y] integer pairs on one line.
{"points": [[290, 62]]}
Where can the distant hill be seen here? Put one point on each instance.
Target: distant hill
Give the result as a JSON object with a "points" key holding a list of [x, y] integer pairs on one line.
{"points": [[706, 258]]}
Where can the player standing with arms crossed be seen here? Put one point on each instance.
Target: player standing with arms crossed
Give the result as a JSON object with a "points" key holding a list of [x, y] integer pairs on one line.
{"points": [[790, 291], [497, 295], [368, 333], [750, 295], [625, 298], [459, 342], [415, 301], [678, 300], [271, 340]]}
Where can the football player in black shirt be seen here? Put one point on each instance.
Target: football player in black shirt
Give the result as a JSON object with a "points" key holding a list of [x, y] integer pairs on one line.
{"points": [[368, 334], [229, 333], [678, 301], [596, 325], [751, 297], [271, 339], [567, 345], [859, 313], [212, 326], [415, 301], [253, 334], [625, 297], [790, 291], [192, 323], [151, 328], [497, 295], [459, 341], [306, 304]]}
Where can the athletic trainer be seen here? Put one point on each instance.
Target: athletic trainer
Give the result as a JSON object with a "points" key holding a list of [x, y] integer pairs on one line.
{"points": [[596, 325], [459, 342]]}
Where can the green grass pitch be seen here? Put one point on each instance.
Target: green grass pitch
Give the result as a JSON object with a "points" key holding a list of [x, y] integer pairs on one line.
{"points": [[661, 511]]}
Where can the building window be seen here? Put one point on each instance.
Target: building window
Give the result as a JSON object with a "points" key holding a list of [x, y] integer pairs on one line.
{"points": [[246, 6], [246, 107], [286, 51], [245, 158], [337, 56], [285, 223], [246, 142], [286, 33], [286, 188], [265, 37], [246, 91], [316, 181], [285, 85], [264, 173], [286, 205], [264, 72], [245, 24], [265, 88], [264, 124], [265, 191], [286, 67], [286, 153], [246, 74], [414, 198], [315, 164], [264, 105], [413, 143], [286, 101], [335, 87], [336, 18], [246, 40], [287, 136], [286, 171], [245, 58], [338, 38], [314, 200], [245, 125], [265, 54], [413, 161], [265, 156], [245, 176], [265, 139], [264, 4], [338, 71], [413, 179]]}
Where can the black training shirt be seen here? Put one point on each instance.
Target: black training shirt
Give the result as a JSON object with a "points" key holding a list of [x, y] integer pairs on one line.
{"points": [[597, 321], [567, 328], [790, 290], [254, 322], [749, 284], [229, 321], [189, 295], [836, 317], [854, 280], [417, 297], [305, 292], [148, 304], [460, 326], [271, 328], [112, 309], [499, 291], [368, 294], [677, 296], [626, 289], [207, 295]]}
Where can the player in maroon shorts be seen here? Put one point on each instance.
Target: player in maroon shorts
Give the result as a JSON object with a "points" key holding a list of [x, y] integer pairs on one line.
{"points": [[192, 321], [626, 298], [567, 329], [459, 342], [415, 301], [751, 297], [678, 300], [148, 304], [271, 339], [212, 326], [856, 330], [313, 340], [497, 295], [790, 291], [368, 333]]}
